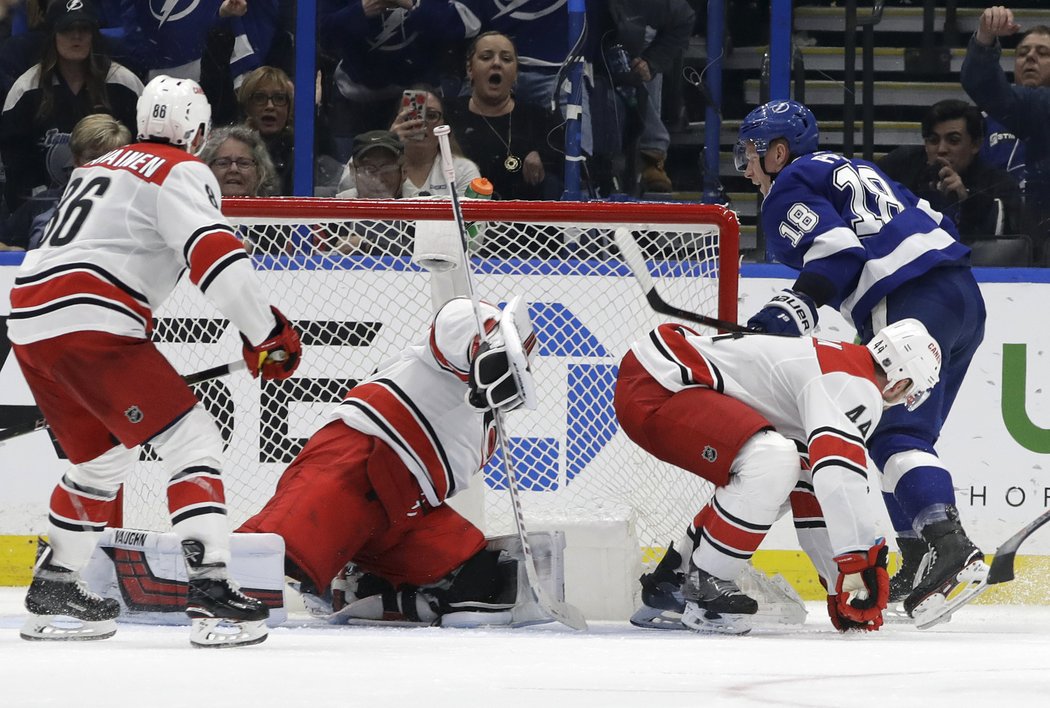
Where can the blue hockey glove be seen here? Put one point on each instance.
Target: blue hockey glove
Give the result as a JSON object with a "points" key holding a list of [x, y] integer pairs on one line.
{"points": [[789, 312]]}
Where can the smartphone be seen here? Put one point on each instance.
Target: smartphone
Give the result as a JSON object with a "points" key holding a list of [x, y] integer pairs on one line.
{"points": [[415, 102]]}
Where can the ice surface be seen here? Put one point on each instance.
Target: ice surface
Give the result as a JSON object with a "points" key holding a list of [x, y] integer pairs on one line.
{"points": [[995, 655]]}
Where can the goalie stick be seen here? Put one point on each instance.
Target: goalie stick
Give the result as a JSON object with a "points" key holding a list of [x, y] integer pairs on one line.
{"points": [[1002, 568], [199, 377], [559, 611], [632, 256]]}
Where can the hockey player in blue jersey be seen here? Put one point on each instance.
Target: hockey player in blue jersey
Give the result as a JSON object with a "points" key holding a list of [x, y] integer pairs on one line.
{"points": [[864, 244]]}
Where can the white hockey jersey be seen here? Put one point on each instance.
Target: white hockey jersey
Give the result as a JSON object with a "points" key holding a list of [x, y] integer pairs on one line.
{"points": [[818, 393], [127, 226], [417, 404]]}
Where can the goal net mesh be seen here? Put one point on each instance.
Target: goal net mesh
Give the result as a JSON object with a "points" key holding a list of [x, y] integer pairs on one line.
{"points": [[343, 273]]}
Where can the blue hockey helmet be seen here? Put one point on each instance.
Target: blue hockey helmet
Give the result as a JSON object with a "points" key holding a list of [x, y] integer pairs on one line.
{"points": [[789, 120]]}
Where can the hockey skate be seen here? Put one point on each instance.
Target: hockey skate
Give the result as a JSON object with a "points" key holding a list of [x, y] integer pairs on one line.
{"points": [[912, 551], [662, 600], [953, 573], [62, 607], [222, 615], [713, 605]]}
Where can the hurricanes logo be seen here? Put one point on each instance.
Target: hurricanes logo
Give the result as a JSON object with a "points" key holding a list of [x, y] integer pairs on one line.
{"points": [[709, 453], [133, 414]]}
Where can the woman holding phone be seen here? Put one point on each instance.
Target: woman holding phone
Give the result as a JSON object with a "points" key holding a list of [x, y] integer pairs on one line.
{"points": [[421, 110]]}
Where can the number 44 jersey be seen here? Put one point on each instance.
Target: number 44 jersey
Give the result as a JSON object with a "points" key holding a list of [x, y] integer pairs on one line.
{"points": [[847, 223], [127, 226]]}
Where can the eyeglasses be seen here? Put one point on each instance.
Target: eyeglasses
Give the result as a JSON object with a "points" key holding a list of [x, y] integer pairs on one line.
{"points": [[260, 98], [373, 170], [432, 116], [224, 163]]}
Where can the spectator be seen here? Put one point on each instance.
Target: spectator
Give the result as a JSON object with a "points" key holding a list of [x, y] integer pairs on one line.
{"points": [[424, 176], [653, 33], [384, 46], [947, 171], [238, 158], [377, 164], [73, 79], [510, 141], [1023, 109], [1031, 69], [265, 98], [92, 137]]}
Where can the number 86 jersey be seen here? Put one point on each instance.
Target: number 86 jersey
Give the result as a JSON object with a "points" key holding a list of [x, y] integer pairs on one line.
{"points": [[845, 223], [127, 226]]}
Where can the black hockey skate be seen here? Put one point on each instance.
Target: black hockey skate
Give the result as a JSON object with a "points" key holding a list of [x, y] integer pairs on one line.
{"points": [[62, 607], [716, 605], [902, 583], [953, 573], [662, 600], [222, 615]]}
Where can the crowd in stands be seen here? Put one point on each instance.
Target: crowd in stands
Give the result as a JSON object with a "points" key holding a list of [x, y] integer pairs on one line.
{"points": [[391, 70]]}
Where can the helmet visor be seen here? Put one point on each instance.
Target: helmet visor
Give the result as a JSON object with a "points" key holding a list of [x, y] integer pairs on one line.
{"points": [[740, 156]]}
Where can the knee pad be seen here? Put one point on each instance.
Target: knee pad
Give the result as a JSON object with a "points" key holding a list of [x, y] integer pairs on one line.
{"points": [[768, 462], [106, 472], [193, 441]]}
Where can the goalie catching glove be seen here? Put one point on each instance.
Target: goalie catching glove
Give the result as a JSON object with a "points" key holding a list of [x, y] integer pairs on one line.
{"points": [[862, 590], [278, 356], [500, 375], [789, 312]]}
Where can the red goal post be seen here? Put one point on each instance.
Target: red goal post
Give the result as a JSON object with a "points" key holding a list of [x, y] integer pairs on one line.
{"points": [[342, 271]]}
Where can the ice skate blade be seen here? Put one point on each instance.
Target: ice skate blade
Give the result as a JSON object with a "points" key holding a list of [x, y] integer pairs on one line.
{"points": [[61, 628], [938, 607], [218, 633], [652, 618], [704, 621]]}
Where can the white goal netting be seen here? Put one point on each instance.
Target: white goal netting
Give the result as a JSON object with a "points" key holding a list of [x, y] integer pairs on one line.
{"points": [[342, 272]]}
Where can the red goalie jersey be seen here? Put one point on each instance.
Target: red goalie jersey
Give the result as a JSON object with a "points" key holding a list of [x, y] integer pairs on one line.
{"points": [[417, 404], [105, 264], [818, 393]]}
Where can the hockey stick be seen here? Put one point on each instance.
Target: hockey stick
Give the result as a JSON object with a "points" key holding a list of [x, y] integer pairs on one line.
{"points": [[632, 256], [1002, 568], [559, 611], [191, 379]]}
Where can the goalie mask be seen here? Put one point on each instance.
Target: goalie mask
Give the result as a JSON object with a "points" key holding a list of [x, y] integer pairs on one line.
{"points": [[905, 350], [500, 374], [173, 111]]}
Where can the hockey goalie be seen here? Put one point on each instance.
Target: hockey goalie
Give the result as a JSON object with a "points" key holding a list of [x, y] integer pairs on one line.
{"points": [[363, 503]]}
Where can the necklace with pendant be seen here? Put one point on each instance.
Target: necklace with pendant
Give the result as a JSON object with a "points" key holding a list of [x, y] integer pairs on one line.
{"points": [[512, 163]]}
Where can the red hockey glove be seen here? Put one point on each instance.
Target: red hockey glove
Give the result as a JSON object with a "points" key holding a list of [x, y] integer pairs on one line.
{"points": [[278, 356], [862, 590]]}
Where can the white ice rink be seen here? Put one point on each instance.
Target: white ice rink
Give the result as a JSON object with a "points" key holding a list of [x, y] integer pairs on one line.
{"points": [[988, 655]]}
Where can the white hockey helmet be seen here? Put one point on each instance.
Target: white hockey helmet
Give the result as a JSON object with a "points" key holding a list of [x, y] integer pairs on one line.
{"points": [[905, 350], [173, 110]]}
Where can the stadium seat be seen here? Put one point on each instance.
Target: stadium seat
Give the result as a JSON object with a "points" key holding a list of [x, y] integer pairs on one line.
{"points": [[1010, 251]]}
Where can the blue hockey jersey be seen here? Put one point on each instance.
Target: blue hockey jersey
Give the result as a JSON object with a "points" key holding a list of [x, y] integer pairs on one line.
{"points": [[849, 224]]}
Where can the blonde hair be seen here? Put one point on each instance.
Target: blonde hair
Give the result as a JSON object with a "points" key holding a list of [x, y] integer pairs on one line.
{"points": [[95, 135], [265, 75]]}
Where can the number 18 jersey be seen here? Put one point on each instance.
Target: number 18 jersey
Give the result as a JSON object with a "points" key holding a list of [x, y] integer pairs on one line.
{"points": [[847, 222]]}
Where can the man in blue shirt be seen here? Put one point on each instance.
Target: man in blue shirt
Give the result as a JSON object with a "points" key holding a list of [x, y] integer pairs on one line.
{"points": [[869, 247]]}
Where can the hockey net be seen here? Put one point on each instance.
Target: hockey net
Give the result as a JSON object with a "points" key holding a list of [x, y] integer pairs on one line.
{"points": [[342, 271]]}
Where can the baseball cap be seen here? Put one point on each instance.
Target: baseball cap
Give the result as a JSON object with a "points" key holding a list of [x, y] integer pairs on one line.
{"points": [[377, 139], [65, 14]]}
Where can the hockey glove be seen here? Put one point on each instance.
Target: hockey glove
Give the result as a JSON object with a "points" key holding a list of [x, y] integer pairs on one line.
{"points": [[862, 590], [278, 356], [789, 312], [492, 383]]}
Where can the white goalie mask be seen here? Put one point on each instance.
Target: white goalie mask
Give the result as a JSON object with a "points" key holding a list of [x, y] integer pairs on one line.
{"points": [[905, 350], [173, 110], [501, 376]]}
